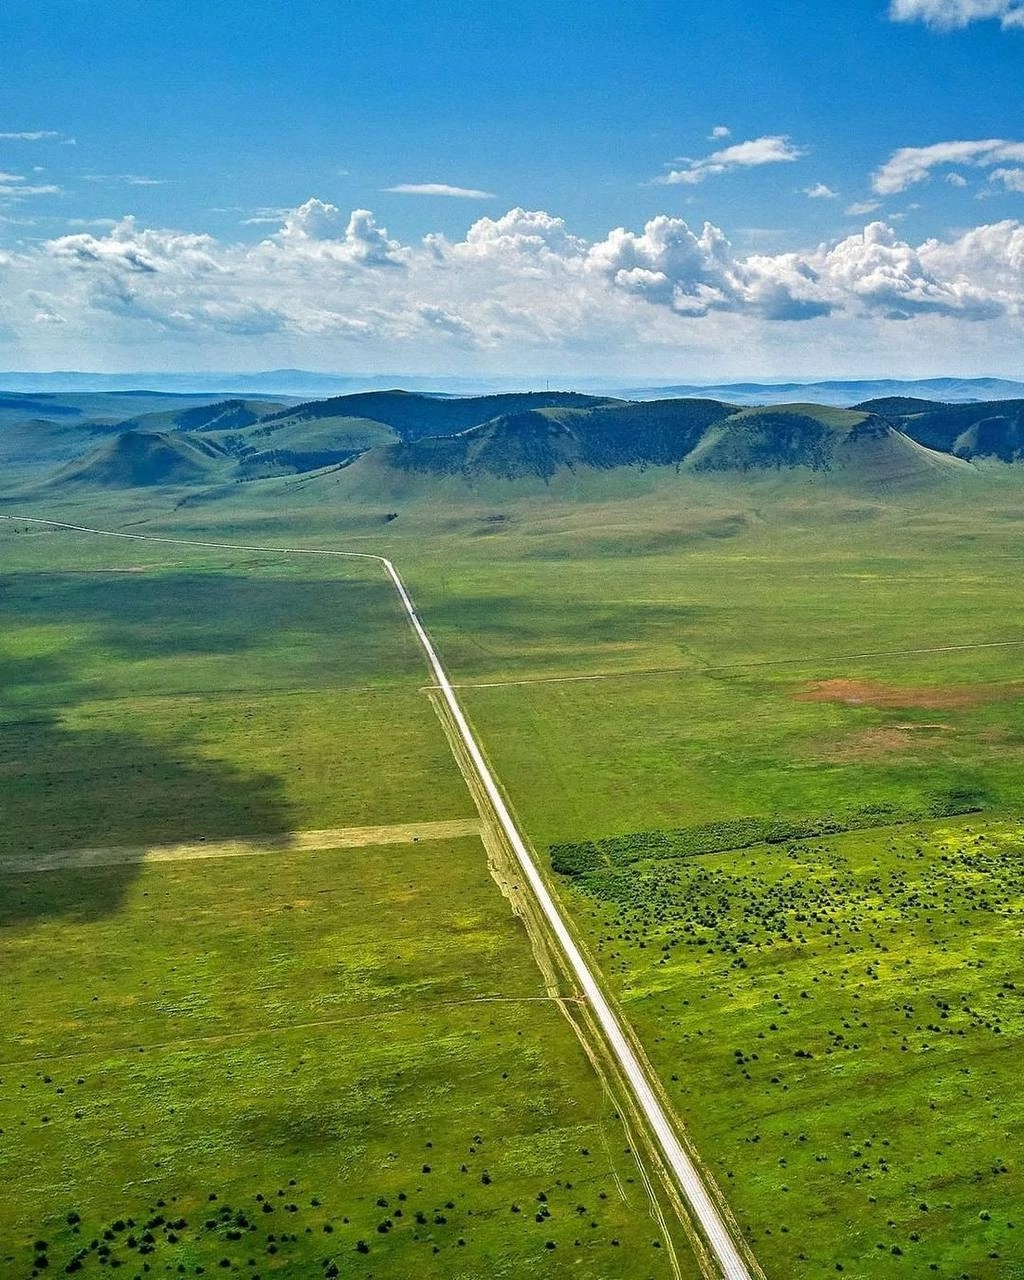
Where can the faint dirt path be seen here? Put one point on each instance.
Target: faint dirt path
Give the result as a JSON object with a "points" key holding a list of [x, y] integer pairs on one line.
{"points": [[698, 670], [251, 846]]}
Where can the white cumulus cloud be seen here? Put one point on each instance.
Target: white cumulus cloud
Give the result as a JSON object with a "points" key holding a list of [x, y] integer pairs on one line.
{"points": [[512, 289], [947, 15], [819, 191], [696, 274], [889, 276], [522, 231], [319, 230], [666, 263], [771, 149]]}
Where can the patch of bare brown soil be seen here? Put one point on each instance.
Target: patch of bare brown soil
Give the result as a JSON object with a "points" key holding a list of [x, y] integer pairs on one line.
{"points": [[872, 693], [889, 739]]}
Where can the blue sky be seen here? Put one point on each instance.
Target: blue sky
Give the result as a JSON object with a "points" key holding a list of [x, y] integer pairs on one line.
{"points": [[660, 189]]}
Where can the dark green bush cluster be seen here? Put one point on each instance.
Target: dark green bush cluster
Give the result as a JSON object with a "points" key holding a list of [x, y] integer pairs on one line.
{"points": [[279, 460], [585, 857]]}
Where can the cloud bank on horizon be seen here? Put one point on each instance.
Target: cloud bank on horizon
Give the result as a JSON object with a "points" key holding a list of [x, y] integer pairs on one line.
{"points": [[520, 283]]}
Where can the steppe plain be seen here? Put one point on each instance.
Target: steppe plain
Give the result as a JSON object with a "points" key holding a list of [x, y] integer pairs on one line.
{"points": [[767, 727]]}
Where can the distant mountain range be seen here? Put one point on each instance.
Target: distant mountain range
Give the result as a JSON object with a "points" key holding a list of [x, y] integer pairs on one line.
{"points": [[845, 392], [397, 438], [303, 384]]}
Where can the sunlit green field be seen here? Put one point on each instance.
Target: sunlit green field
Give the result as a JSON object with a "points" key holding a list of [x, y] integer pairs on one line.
{"points": [[841, 1022], [809, 668], [330, 1063], [299, 1063], [776, 650]]}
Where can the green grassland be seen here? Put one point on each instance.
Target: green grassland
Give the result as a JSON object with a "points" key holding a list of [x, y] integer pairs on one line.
{"points": [[793, 648], [332, 1063], [258, 1064], [795, 690], [841, 1024], [146, 703], [773, 671]]}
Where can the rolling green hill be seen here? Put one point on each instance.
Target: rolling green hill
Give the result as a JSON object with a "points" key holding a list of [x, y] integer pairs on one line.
{"points": [[999, 436], [288, 445], [145, 456], [893, 408], [223, 415], [413, 416], [852, 444], [403, 439], [39, 444], [105, 406], [145, 459], [991, 429], [41, 432], [15, 408], [541, 441]]}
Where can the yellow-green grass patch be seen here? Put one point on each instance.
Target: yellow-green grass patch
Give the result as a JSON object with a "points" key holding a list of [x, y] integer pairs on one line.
{"points": [[364, 1032]]}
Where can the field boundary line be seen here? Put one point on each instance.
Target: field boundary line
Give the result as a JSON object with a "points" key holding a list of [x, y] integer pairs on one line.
{"points": [[601, 675], [281, 1028], [738, 666], [871, 653], [242, 846], [731, 1253]]}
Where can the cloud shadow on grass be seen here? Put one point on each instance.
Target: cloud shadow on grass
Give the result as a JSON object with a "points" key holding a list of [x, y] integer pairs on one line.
{"points": [[63, 788]]}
